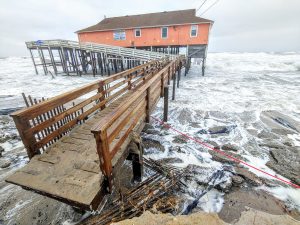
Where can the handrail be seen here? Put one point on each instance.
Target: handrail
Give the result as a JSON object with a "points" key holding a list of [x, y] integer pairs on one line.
{"points": [[32, 111], [137, 53], [45, 122]]}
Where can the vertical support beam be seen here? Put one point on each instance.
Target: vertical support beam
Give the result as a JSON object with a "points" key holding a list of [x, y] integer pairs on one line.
{"points": [[137, 167], [162, 85], [33, 61], [186, 66], [72, 64], [101, 90], [105, 159], [99, 57], [52, 60], [79, 54], [169, 76], [61, 60], [84, 61], [65, 60], [148, 107], [166, 103], [203, 66], [178, 75], [28, 140], [122, 64], [77, 62], [174, 84], [107, 65], [187, 51], [116, 66], [104, 63], [40, 51]]}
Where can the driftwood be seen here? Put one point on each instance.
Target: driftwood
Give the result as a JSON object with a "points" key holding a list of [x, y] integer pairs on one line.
{"points": [[153, 192]]}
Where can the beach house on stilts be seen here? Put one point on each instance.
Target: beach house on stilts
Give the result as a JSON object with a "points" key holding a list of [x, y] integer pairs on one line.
{"points": [[170, 32]]}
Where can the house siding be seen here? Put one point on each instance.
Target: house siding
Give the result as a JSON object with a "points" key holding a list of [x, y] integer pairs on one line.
{"points": [[177, 35]]}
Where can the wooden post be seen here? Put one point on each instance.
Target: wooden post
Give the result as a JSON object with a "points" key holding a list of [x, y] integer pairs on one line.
{"points": [[174, 84], [186, 67], [28, 141], [61, 60], [166, 103], [65, 60], [178, 76], [52, 60], [40, 51], [169, 76], [104, 158], [162, 85], [137, 167], [107, 65], [148, 107], [36, 71], [77, 62], [122, 64], [116, 66], [101, 90], [203, 66], [73, 60]]}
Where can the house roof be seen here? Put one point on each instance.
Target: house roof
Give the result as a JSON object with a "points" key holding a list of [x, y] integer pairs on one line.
{"points": [[187, 16]]}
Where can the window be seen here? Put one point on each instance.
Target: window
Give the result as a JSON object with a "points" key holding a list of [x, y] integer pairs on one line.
{"points": [[194, 30], [164, 32], [138, 32], [119, 35]]}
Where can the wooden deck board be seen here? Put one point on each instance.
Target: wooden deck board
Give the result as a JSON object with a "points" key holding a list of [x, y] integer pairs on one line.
{"points": [[69, 169]]}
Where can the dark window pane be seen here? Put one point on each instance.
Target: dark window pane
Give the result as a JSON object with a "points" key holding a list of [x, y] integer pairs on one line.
{"points": [[138, 33]]}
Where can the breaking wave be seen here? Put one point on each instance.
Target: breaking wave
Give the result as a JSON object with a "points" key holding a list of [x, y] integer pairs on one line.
{"points": [[254, 62]]}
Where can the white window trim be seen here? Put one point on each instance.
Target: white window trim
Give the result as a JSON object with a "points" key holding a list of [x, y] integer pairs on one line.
{"points": [[139, 30], [196, 30], [162, 33]]}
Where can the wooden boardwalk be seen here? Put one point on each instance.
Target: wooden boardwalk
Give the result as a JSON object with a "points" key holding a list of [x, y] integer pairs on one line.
{"points": [[75, 58], [74, 158]]}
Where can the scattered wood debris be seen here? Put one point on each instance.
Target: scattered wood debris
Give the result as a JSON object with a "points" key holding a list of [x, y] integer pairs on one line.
{"points": [[153, 193]]}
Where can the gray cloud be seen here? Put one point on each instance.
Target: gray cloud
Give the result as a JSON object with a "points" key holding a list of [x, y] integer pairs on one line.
{"points": [[253, 25]]}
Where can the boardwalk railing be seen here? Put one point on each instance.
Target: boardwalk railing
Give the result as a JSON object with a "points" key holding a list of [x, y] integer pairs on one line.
{"points": [[42, 124], [113, 129], [108, 49]]}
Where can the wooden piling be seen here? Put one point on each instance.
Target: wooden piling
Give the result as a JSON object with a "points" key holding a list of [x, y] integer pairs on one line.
{"points": [[42, 59], [33, 61], [174, 85], [178, 76], [52, 60], [166, 103], [203, 66]]}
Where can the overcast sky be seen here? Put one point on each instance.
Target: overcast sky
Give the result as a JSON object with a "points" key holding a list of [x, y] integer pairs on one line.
{"points": [[240, 25]]}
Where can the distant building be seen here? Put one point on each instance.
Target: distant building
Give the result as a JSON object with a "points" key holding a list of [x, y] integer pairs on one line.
{"points": [[163, 31]]}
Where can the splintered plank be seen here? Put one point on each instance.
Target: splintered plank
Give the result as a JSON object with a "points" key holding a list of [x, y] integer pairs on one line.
{"points": [[69, 169]]}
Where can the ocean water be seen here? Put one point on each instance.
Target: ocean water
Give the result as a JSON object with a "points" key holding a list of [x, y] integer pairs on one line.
{"points": [[236, 89]]}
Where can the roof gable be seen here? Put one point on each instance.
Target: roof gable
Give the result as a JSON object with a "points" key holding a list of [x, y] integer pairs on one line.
{"points": [[147, 20]]}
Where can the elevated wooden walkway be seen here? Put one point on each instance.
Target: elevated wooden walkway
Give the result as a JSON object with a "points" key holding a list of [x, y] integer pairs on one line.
{"points": [[77, 141], [75, 58]]}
